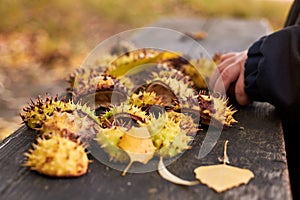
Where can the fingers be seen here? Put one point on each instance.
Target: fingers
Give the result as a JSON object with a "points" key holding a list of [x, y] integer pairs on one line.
{"points": [[240, 94], [230, 70], [221, 67], [226, 60], [229, 75], [227, 55]]}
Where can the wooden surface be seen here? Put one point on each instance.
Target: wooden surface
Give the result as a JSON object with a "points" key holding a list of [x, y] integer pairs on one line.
{"points": [[223, 35], [256, 143]]}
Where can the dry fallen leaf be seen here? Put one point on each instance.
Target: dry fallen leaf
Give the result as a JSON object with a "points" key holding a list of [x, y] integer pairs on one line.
{"points": [[201, 35], [137, 143], [164, 173], [223, 177]]}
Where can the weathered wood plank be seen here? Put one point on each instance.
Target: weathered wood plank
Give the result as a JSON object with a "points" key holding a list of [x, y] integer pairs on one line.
{"points": [[257, 146]]}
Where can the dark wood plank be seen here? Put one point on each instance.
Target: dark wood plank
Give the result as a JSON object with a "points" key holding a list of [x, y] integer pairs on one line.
{"points": [[256, 143]]}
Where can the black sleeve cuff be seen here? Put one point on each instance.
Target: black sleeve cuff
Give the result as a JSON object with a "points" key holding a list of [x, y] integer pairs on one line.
{"points": [[272, 69], [251, 71]]}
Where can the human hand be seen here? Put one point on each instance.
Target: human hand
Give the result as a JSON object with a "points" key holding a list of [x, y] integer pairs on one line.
{"points": [[229, 71]]}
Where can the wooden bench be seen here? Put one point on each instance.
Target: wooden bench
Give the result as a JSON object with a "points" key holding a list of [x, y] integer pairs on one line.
{"points": [[256, 143]]}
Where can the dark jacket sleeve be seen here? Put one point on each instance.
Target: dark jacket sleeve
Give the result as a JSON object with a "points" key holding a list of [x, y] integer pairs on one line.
{"points": [[272, 74], [294, 14], [272, 70]]}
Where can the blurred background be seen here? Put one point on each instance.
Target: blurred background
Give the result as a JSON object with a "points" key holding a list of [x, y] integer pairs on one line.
{"points": [[41, 41]]}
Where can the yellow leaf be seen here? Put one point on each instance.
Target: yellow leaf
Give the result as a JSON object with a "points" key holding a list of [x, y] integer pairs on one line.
{"points": [[223, 177], [138, 61], [137, 143]]}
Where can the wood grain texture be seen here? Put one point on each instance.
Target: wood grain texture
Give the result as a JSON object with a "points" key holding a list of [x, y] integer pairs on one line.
{"points": [[256, 143]]}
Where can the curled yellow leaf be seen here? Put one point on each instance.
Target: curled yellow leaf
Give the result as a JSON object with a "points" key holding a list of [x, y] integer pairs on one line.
{"points": [[164, 173]]}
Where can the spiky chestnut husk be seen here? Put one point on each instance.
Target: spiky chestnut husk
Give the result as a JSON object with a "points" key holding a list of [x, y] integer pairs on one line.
{"points": [[124, 115], [57, 156], [176, 92], [108, 139], [187, 123], [95, 83], [216, 109], [72, 126], [148, 102], [84, 110], [168, 97], [168, 136], [144, 98], [199, 70], [177, 82], [100, 90], [190, 107], [37, 111], [79, 78]]}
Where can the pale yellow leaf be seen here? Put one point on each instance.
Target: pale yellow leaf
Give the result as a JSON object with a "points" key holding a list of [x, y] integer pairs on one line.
{"points": [[137, 143], [223, 177]]}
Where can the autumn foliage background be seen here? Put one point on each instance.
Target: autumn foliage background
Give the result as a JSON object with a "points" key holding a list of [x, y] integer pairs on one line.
{"points": [[41, 41]]}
